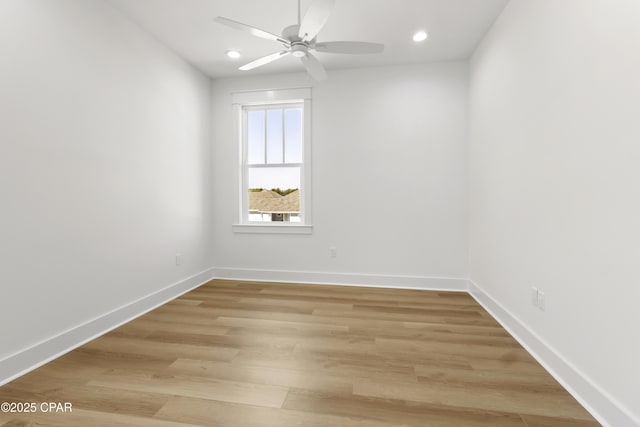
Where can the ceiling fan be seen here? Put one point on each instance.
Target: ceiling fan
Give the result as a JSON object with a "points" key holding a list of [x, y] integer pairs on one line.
{"points": [[299, 40]]}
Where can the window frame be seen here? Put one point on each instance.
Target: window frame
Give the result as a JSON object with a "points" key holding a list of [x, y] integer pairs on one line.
{"points": [[266, 99]]}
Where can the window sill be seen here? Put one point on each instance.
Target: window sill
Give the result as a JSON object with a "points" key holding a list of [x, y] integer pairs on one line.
{"points": [[272, 229]]}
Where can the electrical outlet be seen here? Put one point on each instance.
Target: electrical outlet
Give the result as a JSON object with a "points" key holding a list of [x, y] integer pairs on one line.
{"points": [[538, 298], [178, 259], [541, 301], [333, 252], [534, 296]]}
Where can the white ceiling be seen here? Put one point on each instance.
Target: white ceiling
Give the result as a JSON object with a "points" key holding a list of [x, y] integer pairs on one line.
{"points": [[455, 27]]}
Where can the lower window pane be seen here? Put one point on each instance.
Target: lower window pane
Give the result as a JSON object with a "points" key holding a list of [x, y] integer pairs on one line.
{"points": [[274, 194]]}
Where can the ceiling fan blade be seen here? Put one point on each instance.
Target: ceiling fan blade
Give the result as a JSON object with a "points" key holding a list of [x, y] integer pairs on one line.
{"points": [[264, 60], [314, 67], [315, 18], [251, 30], [349, 47]]}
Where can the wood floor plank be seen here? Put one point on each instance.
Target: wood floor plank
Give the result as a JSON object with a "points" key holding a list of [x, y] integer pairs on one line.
{"points": [[542, 421], [349, 368], [558, 404], [195, 386], [477, 330], [295, 302], [508, 365], [425, 310], [223, 414], [237, 353], [398, 412], [94, 398], [104, 361], [84, 418], [147, 326], [440, 335], [161, 349], [242, 322], [282, 377], [500, 380], [459, 348]]}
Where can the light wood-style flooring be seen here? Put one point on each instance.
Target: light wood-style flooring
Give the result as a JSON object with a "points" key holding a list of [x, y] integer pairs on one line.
{"points": [[246, 354]]}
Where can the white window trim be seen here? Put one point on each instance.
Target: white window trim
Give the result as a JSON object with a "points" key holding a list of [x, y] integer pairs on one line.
{"points": [[261, 97]]}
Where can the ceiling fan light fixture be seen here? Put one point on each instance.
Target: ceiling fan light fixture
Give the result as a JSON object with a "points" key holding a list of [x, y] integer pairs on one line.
{"points": [[420, 36], [233, 54], [299, 50]]}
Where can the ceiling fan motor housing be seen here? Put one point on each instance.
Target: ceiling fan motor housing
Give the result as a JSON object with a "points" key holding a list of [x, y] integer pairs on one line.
{"points": [[299, 49]]}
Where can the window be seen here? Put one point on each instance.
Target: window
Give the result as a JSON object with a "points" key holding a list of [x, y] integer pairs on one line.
{"points": [[274, 162], [274, 152]]}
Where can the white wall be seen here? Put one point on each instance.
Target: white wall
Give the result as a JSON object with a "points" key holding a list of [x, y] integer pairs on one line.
{"points": [[554, 180], [104, 167], [389, 175]]}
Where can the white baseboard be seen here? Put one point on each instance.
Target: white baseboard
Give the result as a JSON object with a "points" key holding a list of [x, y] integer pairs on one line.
{"points": [[349, 279], [37, 355], [598, 402]]}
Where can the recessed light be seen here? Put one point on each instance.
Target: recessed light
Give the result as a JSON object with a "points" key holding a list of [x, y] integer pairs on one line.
{"points": [[233, 54], [420, 36]]}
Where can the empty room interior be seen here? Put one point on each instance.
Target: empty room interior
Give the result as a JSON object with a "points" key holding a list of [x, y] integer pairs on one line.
{"points": [[320, 213]]}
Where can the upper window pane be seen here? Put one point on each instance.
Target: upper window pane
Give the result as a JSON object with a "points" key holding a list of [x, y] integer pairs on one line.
{"points": [[255, 137], [274, 137], [293, 135]]}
